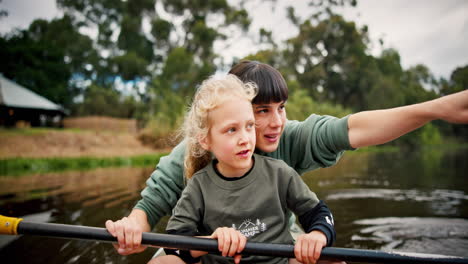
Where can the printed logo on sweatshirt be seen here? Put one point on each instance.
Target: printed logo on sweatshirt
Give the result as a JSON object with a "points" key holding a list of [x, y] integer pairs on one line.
{"points": [[330, 222], [250, 229]]}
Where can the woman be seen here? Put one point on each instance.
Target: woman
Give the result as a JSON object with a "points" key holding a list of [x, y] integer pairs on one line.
{"points": [[319, 141]]}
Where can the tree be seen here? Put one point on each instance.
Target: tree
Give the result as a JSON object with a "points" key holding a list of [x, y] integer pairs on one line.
{"points": [[140, 35], [328, 60], [166, 45], [47, 58], [458, 81], [106, 102], [32, 64]]}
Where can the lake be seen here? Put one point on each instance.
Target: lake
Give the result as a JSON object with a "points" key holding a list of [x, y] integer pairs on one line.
{"points": [[413, 201]]}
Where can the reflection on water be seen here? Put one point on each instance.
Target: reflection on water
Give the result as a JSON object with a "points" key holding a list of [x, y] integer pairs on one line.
{"points": [[107, 187], [442, 202], [79, 198], [415, 234], [407, 201]]}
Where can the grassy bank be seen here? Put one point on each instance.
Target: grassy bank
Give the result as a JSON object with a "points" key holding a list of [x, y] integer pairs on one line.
{"points": [[84, 137], [22, 166]]}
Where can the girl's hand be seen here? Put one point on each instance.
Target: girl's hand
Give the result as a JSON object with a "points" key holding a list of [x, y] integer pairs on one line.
{"points": [[309, 246], [129, 235], [230, 242]]}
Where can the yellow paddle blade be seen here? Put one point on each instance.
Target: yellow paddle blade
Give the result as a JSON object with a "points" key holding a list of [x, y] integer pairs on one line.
{"points": [[9, 225]]}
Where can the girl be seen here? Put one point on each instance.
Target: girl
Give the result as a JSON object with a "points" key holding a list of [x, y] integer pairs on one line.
{"points": [[239, 195]]}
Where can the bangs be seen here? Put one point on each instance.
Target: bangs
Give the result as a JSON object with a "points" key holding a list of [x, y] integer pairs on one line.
{"points": [[271, 85]]}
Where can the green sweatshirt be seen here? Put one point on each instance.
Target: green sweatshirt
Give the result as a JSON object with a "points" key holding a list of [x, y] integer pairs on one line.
{"points": [[317, 142], [209, 202]]}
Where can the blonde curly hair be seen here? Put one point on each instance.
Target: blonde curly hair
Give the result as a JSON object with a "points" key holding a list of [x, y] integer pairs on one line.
{"points": [[209, 95]]}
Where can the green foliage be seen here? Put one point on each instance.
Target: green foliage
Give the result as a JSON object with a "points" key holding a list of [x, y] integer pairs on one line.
{"points": [[36, 65], [161, 30], [141, 51], [22, 166], [383, 92], [300, 106], [389, 63], [460, 77], [328, 60], [430, 135], [130, 66], [45, 58], [458, 81], [167, 47], [178, 67], [107, 102], [202, 39], [30, 131], [132, 40], [161, 131], [271, 57], [239, 17], [171, 55]]}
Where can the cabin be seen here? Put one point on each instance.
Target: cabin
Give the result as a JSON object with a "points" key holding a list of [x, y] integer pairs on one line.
{"points": [[20, 106]]}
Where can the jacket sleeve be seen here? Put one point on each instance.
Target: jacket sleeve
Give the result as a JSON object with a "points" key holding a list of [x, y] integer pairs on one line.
{"points": [[319, 218], [188, 213], [313, 213], [186, 218], [164, 186], [318, 141]]}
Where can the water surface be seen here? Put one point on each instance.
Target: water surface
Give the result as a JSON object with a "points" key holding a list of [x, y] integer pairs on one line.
{"points": [[405, 201]]}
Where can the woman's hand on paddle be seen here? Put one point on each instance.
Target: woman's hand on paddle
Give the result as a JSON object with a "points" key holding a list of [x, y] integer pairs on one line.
{"points": [[128, 234], [309, 246], [230, 242]]}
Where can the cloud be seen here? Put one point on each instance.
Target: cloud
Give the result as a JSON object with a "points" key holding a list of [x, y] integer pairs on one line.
{"points": [[432, 33], [22, 12]]}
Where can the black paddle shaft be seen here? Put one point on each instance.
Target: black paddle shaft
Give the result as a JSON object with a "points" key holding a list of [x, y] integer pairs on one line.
{"points": [[251, 248]]}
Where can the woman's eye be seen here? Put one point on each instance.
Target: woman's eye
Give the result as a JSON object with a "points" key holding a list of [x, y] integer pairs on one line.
{"points": [[262, 111]]}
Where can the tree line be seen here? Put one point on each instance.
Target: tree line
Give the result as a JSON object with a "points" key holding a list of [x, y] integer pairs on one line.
{"points": [[160, 50]]}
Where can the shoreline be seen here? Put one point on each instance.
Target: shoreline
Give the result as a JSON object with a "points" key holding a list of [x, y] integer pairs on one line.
{"points": [[12, 167], [71, 142], [41, 150]]}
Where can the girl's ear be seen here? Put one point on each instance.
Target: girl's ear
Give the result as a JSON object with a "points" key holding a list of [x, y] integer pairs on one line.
{"points": [[204, 143]]}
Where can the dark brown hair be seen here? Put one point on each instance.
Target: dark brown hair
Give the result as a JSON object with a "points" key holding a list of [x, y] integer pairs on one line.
{"points": [[271, 84]]}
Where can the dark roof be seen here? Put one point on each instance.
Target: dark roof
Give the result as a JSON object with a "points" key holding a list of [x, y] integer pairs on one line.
{"points": [[15, 95]]}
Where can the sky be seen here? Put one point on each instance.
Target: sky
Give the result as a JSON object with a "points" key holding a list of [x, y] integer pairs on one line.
{"points": [[429, 32]]}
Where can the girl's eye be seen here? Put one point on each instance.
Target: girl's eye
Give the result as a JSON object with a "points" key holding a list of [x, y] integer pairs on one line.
{"points": [[250, 125], [231, 130]]}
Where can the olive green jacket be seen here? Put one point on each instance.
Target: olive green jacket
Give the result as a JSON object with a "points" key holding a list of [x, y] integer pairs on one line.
{"points": [[317, 142]]}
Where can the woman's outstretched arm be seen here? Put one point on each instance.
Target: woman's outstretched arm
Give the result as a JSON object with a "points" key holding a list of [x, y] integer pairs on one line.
{"points": [[381, 126]]}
